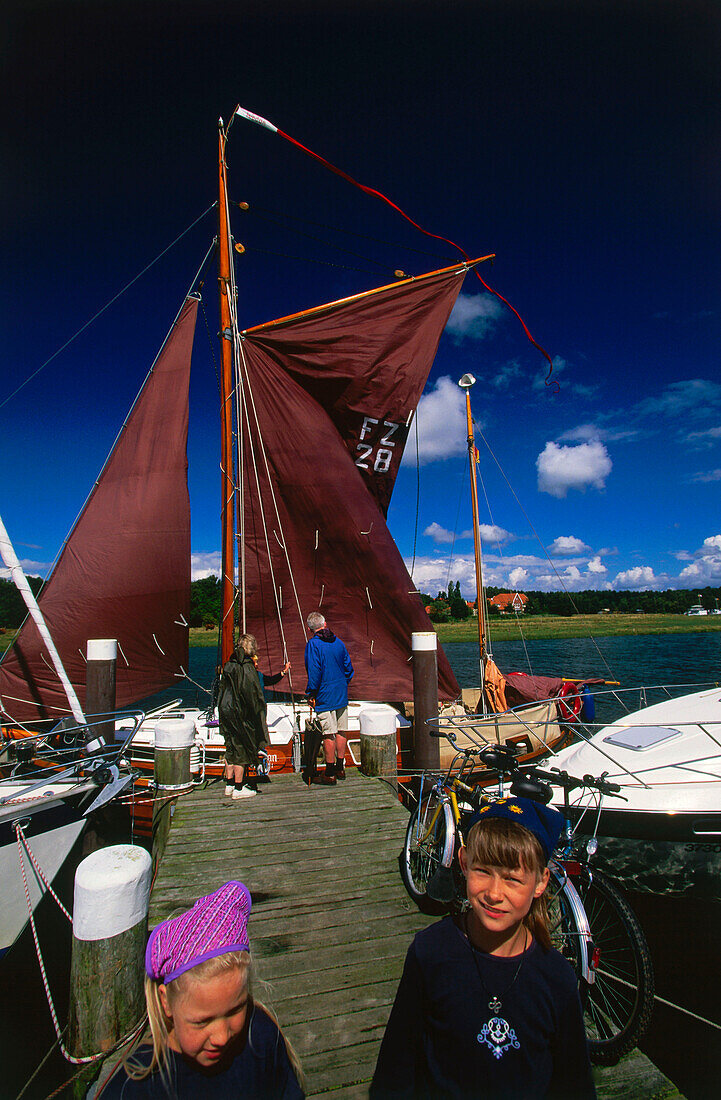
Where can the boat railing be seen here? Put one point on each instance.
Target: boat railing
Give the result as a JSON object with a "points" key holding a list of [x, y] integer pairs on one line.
{"points": [[70, 750], [481, 731]]}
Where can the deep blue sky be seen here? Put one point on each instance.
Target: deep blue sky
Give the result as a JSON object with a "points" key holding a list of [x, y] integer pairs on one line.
{"points": [[578, 141]]}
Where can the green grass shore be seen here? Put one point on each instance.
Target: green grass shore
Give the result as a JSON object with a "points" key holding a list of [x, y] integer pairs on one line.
{"points": [[532, 627]]}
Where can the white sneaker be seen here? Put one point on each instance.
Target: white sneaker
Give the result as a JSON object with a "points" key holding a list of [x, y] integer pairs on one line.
{"points": [[244, 792], [229, 788]]}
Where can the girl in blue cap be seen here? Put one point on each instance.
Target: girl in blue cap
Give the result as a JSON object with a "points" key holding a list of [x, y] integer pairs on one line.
{"points": [[485, 1006]]}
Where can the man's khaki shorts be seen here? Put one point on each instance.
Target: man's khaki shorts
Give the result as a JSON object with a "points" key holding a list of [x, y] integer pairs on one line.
{"points": [[333, 721]]}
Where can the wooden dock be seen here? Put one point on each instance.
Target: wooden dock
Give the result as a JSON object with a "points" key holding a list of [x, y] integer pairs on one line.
{"points": [[331, 922]]}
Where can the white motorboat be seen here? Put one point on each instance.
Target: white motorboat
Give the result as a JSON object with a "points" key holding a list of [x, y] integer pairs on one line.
{"points": [[664, 833]]}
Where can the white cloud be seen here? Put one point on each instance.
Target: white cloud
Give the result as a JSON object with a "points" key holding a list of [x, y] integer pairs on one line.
{"points": [[694, 396], [504, 376], [474, 316], [706, 476], [705, 438], [438, 533], [518, 578], [442, 429], [489, 533], [591, 433], [29, 568], [640, 578], [706, 566], [430, 574], [205, 565], [492, 533], [568, 544], [595, 565], [563, 468]]}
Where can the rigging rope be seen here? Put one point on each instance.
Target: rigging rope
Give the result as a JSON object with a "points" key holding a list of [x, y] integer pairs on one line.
{"points": [[274, 215], [306, 260], [105, 307], [418, 493], [88, 1059], [394, 206], [540, 543], [244, 390]]}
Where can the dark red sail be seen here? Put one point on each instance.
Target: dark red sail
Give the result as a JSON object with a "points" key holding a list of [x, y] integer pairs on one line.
{"points": [[328, 398], [124, 572]]}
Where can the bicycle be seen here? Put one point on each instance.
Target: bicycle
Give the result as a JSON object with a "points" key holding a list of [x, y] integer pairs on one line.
{"points": [[591, 923]]}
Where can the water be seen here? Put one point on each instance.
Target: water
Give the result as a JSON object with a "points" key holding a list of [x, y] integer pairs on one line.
{"points": [[681, 659], [681, 933]]}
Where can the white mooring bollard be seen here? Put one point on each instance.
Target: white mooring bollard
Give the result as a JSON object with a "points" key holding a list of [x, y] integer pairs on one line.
{"points": [[110, 911], [426, 750]]}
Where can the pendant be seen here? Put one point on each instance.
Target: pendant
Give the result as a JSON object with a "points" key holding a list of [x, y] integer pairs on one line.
{"points": [[495, 1005], [498, 1036]]}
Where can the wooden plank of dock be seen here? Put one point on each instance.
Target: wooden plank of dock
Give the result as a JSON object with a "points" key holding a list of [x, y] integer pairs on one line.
{"points": [[331, 922]]}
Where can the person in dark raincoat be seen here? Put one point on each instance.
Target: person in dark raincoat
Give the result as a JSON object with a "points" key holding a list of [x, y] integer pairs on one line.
{"points": [[241, 709]]}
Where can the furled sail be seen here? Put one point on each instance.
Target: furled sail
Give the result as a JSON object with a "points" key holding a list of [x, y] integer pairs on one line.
{"points": [[329, 395], [124, 571]]}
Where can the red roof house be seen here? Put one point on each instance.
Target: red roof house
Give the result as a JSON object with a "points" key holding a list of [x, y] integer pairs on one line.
{"points": [[508, 602]]}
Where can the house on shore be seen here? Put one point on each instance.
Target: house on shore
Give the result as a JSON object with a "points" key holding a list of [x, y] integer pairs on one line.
{"points": [[509, 603]]}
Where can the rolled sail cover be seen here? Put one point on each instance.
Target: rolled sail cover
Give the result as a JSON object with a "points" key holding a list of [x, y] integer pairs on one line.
{"points": [[329, 395]]}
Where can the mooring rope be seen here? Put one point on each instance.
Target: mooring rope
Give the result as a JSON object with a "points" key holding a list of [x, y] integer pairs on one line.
{"points": [[22, 843]]}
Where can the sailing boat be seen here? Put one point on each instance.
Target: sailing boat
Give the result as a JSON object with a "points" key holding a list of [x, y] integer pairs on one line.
{"points": [[315, 413], [44, 804]]}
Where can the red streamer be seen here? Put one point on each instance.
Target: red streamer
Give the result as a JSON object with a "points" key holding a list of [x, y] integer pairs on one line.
{"points": [[427, 232]]}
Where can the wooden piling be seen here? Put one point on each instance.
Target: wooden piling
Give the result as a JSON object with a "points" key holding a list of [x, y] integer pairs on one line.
{"points": [[426, 751], [100, 687], [107, 1000]]}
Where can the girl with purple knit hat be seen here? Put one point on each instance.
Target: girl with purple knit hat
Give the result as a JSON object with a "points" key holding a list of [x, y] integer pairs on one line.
{"points": [[209, 1037]]}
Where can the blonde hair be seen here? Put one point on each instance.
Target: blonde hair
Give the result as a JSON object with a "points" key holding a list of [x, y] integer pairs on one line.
{"points": [[503, 843], [161, 1024]]}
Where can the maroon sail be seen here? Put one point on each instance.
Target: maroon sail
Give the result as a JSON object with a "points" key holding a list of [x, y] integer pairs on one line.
{"points": [[124, 571], [328, 398]]}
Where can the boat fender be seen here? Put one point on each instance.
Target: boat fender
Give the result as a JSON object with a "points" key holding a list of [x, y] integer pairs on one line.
{"points": [[588, 704], [570, 702]]}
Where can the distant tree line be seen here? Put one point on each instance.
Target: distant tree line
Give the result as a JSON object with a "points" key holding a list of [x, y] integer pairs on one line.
{"points": [[592, 601], [205, 602], [12, 605], [448, 605]]}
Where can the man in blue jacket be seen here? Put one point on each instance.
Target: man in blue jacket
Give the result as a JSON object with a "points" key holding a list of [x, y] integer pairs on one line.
{"points": [[329, 672]]}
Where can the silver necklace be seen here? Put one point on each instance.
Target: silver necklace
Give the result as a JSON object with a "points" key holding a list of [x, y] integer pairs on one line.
{"points": [[496, 1033]]}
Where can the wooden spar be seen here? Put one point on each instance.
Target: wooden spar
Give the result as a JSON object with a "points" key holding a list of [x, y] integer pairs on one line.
{"points": [[466, 382], [316, 311], [227, 620], [8, 555]]}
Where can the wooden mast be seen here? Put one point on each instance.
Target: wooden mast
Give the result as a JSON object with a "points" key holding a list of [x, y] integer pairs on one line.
{"points": [[465, 383], [227, 621]]}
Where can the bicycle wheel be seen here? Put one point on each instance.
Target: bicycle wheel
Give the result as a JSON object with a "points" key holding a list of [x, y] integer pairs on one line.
{"points": [[428, 843], [618, 1003]]}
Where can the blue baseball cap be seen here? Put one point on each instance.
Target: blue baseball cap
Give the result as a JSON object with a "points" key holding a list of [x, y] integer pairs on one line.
{"points": [[544, 822]]}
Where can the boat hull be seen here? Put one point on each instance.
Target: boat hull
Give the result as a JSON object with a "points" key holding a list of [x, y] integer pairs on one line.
{"points": [[52, 823], [663, 834]]}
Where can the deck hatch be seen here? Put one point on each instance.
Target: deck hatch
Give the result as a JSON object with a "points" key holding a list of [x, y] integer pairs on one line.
{"points": [[640, 738]]}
